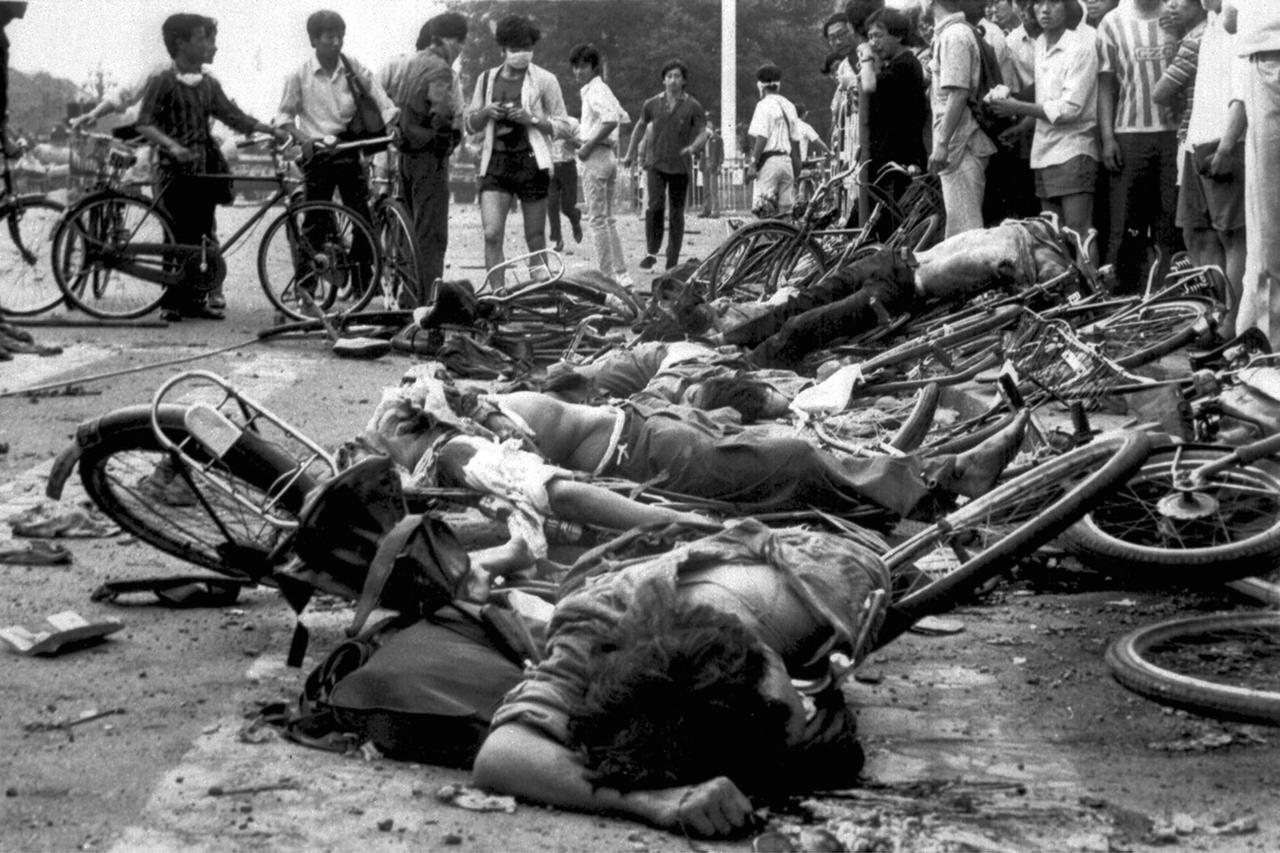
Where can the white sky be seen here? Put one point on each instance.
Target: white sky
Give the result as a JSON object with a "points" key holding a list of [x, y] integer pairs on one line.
{"points": [[258, 41]]}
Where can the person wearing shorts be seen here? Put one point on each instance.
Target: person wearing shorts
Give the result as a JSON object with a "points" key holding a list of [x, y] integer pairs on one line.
{"points": [[1064, 150], [514, 105]]}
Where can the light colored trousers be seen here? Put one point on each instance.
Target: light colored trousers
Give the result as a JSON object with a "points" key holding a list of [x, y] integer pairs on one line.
{"points": [[1260, 302], [598, 175], [963, 185]]}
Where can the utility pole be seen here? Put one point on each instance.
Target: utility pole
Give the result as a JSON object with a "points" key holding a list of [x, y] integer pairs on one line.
{"points": [[729, 77]]}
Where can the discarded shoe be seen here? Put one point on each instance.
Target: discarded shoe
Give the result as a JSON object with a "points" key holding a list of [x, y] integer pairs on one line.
{"points": [[647, 263], [34, 553], [50, 521]]}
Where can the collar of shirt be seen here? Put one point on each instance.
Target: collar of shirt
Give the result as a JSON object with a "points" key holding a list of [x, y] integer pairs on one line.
{"points": [[946, 21], [1068, 40], [315, 69]]}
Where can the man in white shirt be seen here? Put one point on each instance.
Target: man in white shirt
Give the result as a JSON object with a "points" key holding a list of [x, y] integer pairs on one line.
{"points": [[1258, 40], [774, 160], [319, 101], [597, 155]]}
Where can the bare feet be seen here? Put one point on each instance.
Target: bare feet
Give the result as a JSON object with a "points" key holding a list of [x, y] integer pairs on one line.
{"points": [[978, 469]]}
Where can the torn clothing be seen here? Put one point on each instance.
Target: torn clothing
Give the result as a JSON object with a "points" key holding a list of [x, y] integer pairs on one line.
{"points": [[682, 450], [833, 579]]}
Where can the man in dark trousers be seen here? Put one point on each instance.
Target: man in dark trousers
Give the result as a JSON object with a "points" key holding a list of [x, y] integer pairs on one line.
{"points": [[8, 11], [679, 131], [430, 128]]}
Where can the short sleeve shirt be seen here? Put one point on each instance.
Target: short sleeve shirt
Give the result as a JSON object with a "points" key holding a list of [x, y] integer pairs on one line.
{"points": [[956, 64], [600, 106], [776, 121], [1137, 50], [673, 129]]}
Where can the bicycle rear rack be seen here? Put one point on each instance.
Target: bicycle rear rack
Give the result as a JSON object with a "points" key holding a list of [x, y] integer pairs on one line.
{"points": [[215, 429], [544, 266]]}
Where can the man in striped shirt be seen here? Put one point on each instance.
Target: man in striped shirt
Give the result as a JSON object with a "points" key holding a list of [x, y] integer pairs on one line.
{"points": [[1139, 144]]}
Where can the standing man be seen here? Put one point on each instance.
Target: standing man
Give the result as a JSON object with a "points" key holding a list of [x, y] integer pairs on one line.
{"points": [[679, 129], [602, 115], [711, 162], [843, 43], [430, 128], [562, 195], [177, 106], [1258, 40], [773, 159], [319, 101], [960, 148], [1139, 137]]}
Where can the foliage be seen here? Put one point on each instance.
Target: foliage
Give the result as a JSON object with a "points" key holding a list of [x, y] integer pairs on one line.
{"points": [[636, 37], [38, 102]]}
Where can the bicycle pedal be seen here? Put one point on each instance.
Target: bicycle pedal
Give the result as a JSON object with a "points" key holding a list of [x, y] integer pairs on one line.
{"points": [[215, 431]]}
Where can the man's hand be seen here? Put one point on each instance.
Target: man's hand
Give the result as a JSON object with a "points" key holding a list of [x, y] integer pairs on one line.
{"points": [[83, 120], [939, 159], [1111, 157], [710, 809], [182, 154], [585, 151], [1221, 165], [1006, 107], [751, 171]]}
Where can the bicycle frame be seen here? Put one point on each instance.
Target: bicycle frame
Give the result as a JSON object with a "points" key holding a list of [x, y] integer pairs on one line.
{"points": [[215, 433]]}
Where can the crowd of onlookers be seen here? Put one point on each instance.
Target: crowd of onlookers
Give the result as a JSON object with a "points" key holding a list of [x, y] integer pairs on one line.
{"points": [[1134, 118], [1137, 118]]}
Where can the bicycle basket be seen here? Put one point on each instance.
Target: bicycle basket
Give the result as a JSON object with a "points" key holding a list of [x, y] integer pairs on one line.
{"points": [[1047, 356]]}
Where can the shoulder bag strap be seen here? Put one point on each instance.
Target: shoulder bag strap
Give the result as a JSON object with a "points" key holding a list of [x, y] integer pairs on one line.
{"points": [[389, 547]]}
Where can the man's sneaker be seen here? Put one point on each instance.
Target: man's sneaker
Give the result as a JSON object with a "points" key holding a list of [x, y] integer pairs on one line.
{"points": [[648, 262], [624, 280], [216, 300], [164, 486]]}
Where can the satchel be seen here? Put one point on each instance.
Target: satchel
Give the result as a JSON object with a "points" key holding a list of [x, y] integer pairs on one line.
{"points": [[221, 184], [367, 122]]}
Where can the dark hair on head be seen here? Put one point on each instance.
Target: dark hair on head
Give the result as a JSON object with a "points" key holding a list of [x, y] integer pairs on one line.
{"points": [[182, 27], [675, 63], [446, 25], [739, 392], [516, 31], [858, 11], [895, 23], [769, 74], [1074, 14], [974, 10], [325, 21], [802, 109], [673, 698], [424, 37], [569, 385], [837, 18], [585, 54]]}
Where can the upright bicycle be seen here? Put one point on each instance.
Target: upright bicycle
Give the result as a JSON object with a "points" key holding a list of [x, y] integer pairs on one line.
{"points": [[27, 283], [115, 252]]}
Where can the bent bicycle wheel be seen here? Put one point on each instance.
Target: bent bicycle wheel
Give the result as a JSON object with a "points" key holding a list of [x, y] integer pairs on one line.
{"points": [[1162, 523], [1135, 338], [1222, 665], [748, 265], [311, 252], [399, 254], [27, 283], [935, 568], [110, 258], [134, 480]]}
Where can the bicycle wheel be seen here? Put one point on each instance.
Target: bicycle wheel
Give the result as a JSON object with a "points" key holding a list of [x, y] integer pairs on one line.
{"points": [[314, 249], [109, 256], [134, 481], [27, 283], [869, 426], [937, 566], [399, 254], [799, 264], [1163, 524], [744, 269], [1167, 662], [1152, 332]]}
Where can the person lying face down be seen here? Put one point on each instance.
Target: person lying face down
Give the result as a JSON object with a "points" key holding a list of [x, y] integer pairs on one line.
{"points": [[678, 449], [666, 694]]}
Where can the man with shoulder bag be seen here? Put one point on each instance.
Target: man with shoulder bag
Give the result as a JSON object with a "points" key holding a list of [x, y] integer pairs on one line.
{"points": [[334, 96]]}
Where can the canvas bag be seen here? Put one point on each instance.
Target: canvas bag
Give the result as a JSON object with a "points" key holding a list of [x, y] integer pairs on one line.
{"points": [[367, 122]]}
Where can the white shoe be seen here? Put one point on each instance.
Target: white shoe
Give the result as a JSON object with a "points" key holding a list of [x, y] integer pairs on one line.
{"points": [[624, 280]]}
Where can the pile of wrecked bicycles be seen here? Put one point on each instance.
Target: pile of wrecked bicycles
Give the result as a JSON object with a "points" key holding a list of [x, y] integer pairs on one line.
{"points": [[1153, 444]]}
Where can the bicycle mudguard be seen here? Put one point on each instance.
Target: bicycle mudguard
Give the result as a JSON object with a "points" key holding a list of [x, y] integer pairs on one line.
{"points": [[91, 432]]}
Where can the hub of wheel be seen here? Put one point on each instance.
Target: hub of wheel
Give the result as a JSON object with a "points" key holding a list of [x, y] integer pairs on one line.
{"points": [[1187, 505]]}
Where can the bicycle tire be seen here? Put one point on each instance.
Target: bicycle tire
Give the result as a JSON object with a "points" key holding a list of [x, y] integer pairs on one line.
{"points": [[1008, 523], [284, 267], [962, 344], [1128, 659], [126, 451], [744, 268], [398, 244], [97, 238], [1226, 529], [1149, 333], [27, 283]]}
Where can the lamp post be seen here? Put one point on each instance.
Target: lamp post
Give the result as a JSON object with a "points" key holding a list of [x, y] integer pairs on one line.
{"points": [[729, 77]]}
